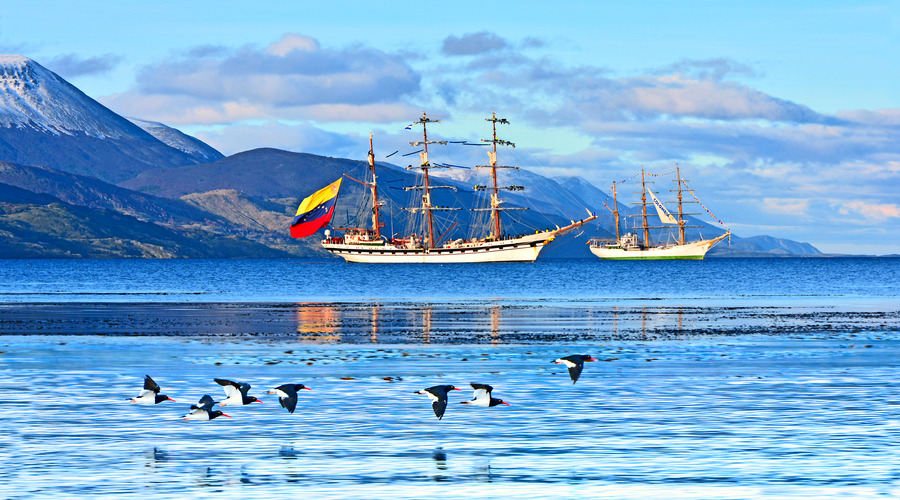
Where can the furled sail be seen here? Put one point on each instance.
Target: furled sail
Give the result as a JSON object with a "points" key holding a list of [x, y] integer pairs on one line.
{"points": [[664, 216]]}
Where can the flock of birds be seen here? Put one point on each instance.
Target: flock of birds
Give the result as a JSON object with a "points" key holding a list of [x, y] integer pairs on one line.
{"points": [[236, 393]]}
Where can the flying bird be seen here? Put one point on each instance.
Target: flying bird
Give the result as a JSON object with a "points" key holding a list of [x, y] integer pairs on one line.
{"points": [[482, 396], [575, 363], [150, 394], [438, 394], [236, 393], [203, 410], [287, 395]]}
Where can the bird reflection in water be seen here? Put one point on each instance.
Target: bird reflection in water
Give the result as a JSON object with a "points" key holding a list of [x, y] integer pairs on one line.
{"points": [[157, 458], [440, 458], [483, 474], [293, 471], [245, 477], [209, 478], [440, 461]]}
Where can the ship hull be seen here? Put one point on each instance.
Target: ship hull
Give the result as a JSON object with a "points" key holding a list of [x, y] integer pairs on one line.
{"points": [[523, 249], [689, 251], [511, 252]]}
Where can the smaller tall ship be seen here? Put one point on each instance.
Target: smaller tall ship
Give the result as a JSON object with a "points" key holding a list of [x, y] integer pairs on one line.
{"points": [[636, 246], [426, 244]]}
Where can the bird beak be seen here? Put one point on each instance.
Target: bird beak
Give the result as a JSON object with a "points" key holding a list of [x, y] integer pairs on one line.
{"points": [[172, 400], [593, 359], [455, 389], [307, 388], [258, 401], [505, 403], [224, 415]]}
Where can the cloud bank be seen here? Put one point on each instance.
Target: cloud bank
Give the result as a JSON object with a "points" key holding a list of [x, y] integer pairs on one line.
{"points": [[71, 65], [293, 78]]}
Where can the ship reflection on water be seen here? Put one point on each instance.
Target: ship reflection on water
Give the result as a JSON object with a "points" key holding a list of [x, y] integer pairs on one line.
{"points": [[497, 324], [459, 322]]}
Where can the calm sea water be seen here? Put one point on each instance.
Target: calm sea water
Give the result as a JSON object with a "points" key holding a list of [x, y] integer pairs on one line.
{"points": [[285, 280], [718, 379]]}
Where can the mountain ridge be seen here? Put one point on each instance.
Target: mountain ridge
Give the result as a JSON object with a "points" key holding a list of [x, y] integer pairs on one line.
{"points": [[45, 120]]}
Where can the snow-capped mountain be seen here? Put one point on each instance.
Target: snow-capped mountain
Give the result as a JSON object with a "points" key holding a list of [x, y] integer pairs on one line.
{"points": [[179, 140], [45, 120], [31, 96]]}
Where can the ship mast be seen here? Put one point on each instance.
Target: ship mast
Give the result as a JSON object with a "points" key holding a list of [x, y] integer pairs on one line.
{"points": [[680, 214], [495, 195], [376, 222], [644, 208], [426, 207], [616, 210]]}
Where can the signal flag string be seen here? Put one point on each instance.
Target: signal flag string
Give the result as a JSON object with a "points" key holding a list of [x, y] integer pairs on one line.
{"points": [[689, 190]]}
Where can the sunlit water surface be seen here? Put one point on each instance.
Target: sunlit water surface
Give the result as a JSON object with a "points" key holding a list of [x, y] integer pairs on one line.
{"points": [[738, 418]]}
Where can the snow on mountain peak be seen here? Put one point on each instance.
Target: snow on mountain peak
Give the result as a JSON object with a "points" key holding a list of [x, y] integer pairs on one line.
{"points": [[13, 60], [32, 96], [178, 140]]}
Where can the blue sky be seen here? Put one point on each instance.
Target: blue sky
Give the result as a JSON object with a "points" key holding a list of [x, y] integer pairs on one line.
{"points": [[785, 115]]}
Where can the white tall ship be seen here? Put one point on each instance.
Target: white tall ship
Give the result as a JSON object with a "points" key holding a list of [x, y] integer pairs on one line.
{"points": [[369, 245], [631, 246]]}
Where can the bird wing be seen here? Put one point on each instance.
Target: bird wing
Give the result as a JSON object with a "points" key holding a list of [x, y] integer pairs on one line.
{"points": [[144, 393], [206, 403], [150, 385], [575, 372], [229, 386], [439, 406], [244, 388], [290, 402], [481, 391], [439, 392]]}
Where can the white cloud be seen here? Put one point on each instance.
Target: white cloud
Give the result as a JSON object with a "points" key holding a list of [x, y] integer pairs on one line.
{"points": [[290, 42], [305, 138], [876, 211], [293, 79]]}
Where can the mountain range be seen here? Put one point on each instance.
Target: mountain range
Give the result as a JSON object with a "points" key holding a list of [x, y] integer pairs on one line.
{"points": [[78, 180]]}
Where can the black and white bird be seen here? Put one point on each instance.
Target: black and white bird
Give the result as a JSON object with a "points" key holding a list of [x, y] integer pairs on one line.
{"points": [[150, 394], [482, 397], [236, 393], [575, 363], [203, 410], [287, 395], [438, 394]]}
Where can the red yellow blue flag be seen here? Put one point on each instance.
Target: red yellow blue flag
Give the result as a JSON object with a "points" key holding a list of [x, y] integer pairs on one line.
{"points": [[315, 211]]}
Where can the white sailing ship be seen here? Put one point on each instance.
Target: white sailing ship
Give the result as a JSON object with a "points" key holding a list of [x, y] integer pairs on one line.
{"points": [[630, 246], [370, 245]]}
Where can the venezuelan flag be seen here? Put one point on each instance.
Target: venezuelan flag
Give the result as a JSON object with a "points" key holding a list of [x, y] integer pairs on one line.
{"points": [[315, 211]]}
